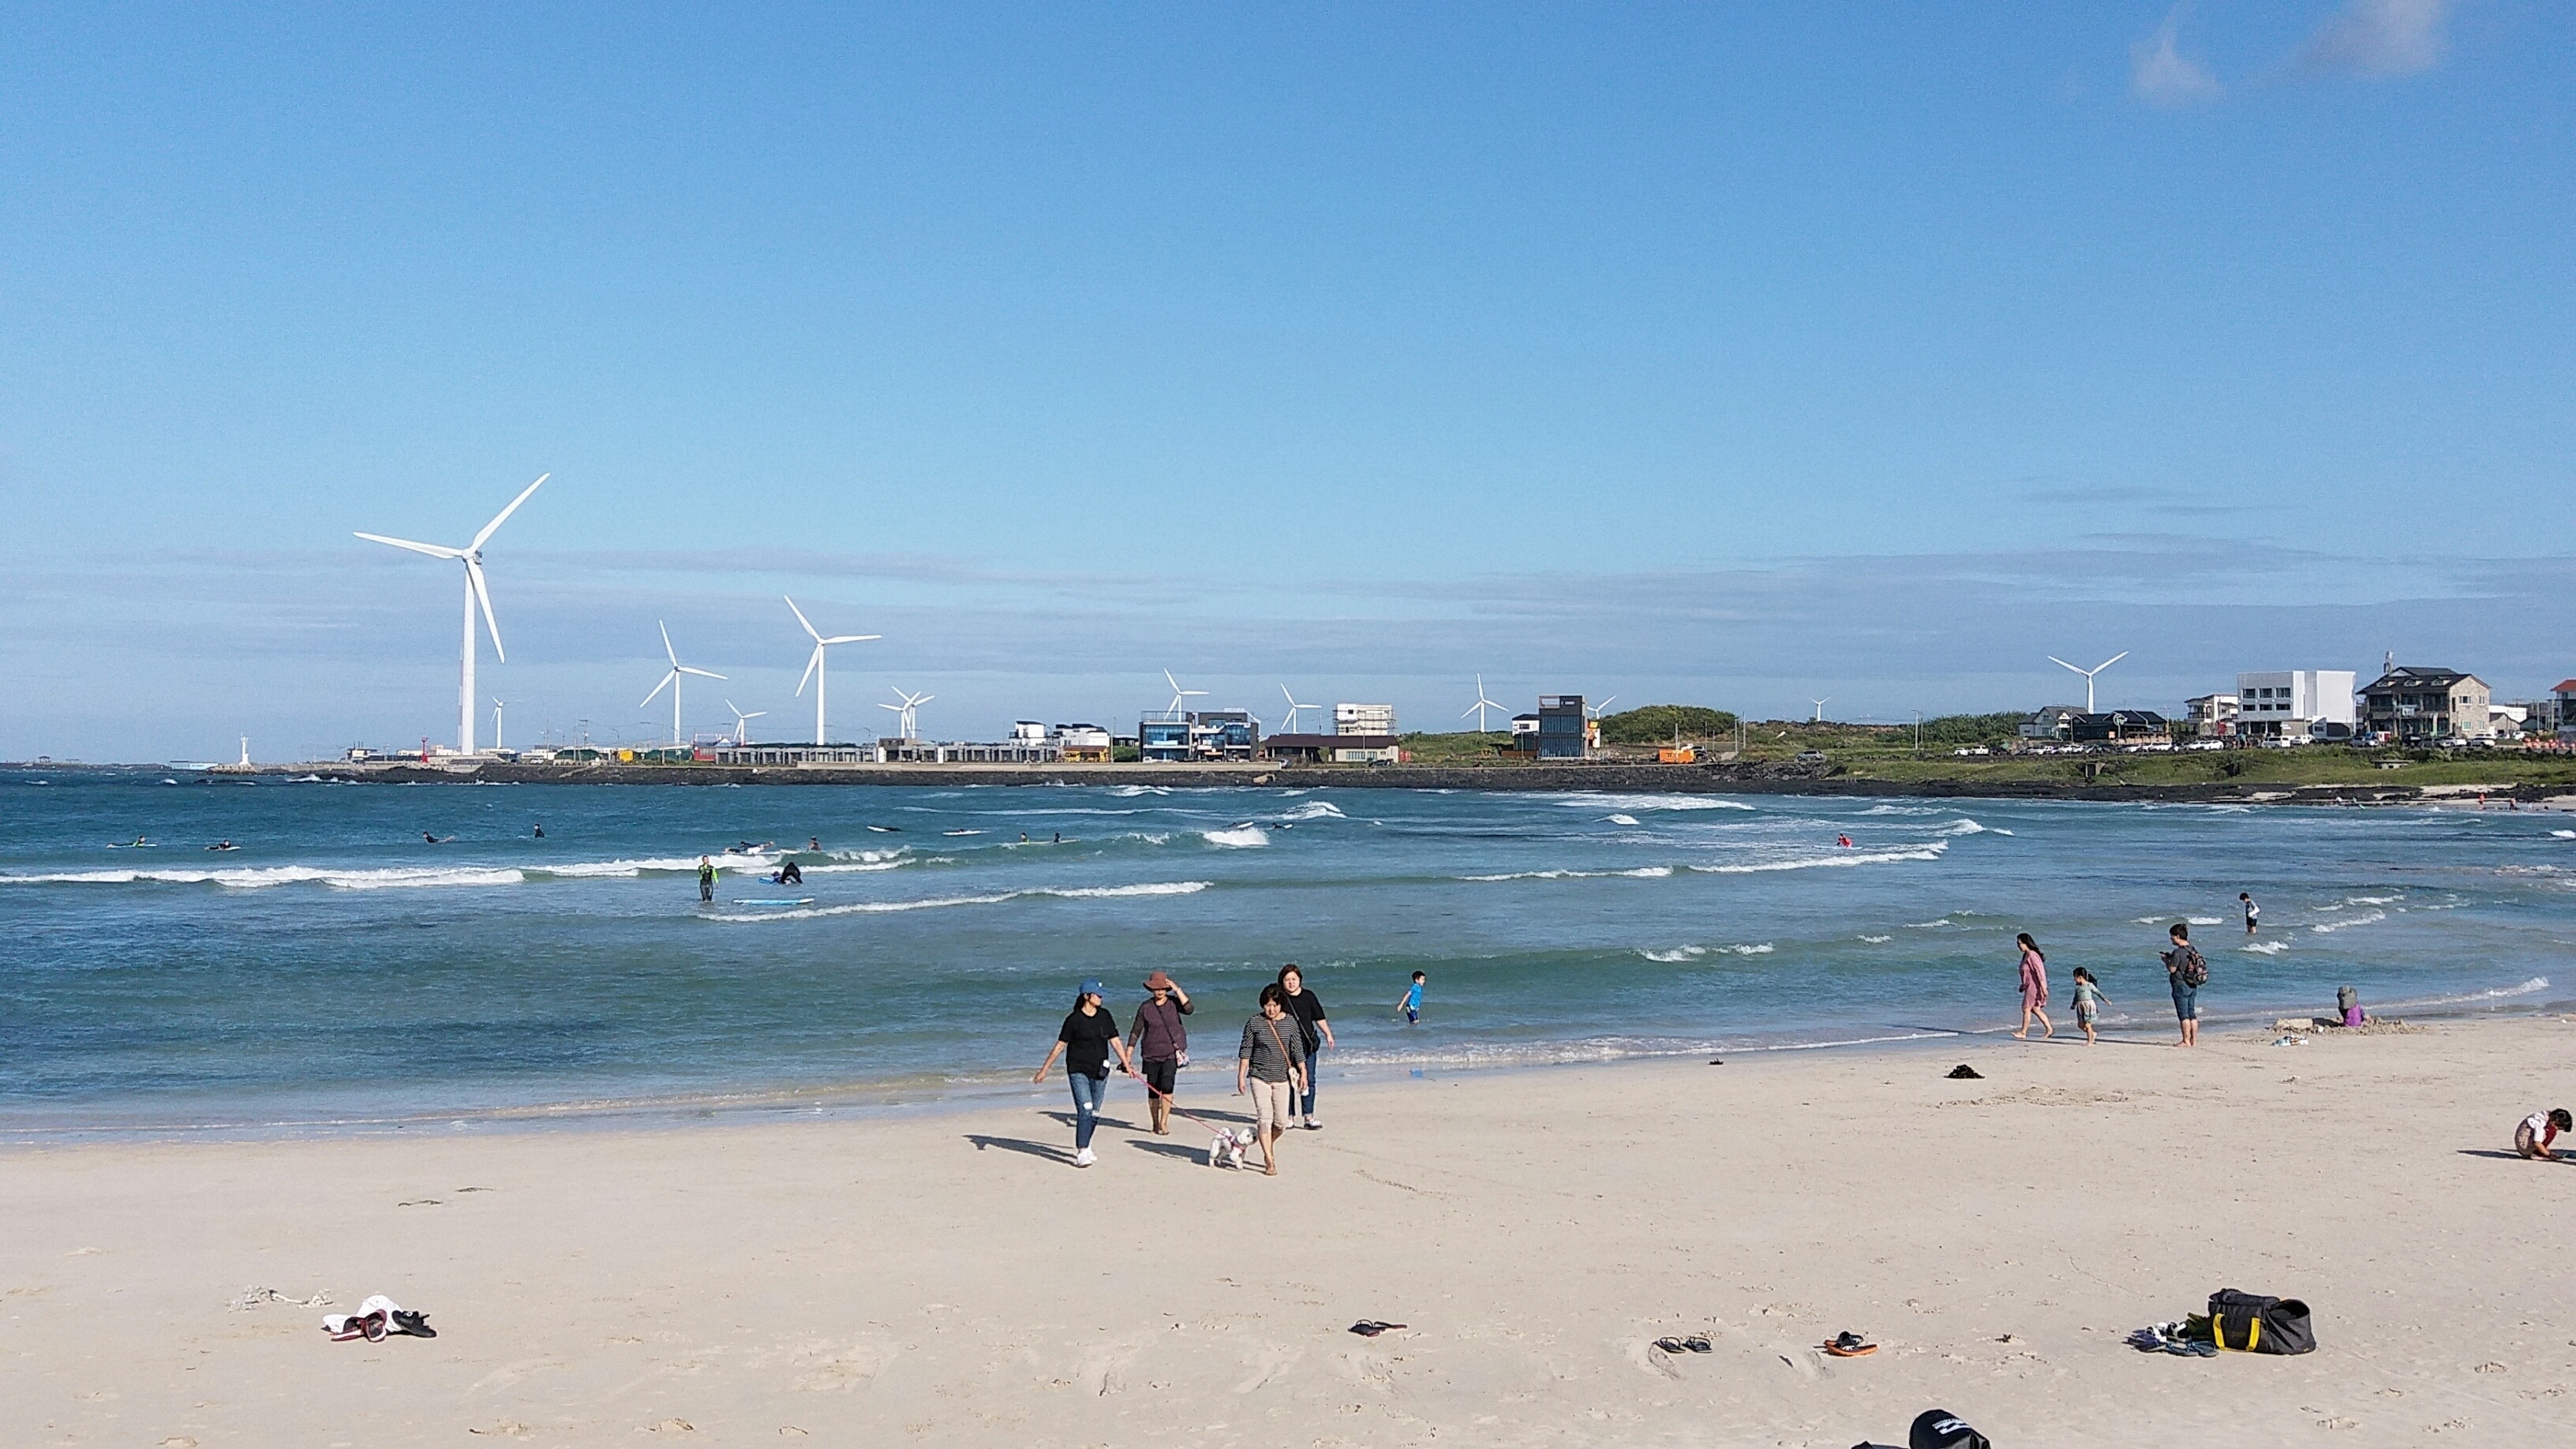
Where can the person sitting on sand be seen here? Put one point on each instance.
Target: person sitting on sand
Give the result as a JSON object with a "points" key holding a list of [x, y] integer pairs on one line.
{"points": [[2034, 989], [2533, 1134], [2088, 1001]]}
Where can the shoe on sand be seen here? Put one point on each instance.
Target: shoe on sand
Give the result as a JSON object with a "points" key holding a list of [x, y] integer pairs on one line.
{"points": [[1084, 1158]]}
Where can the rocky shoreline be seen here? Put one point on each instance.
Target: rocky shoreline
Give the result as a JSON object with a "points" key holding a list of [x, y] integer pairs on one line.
{"points": [[1769, 779]]}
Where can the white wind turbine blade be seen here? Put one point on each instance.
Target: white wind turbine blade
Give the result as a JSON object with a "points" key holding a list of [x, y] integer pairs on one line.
{"points": [[2062, 664], [504, 515], [434, 550], [2107, 663], [898, 709], [657, 689], [925, 699], [801, 619], [852, 638], [701, 673], [670, 653], [483, 596], [755, 714], [811, 665]]}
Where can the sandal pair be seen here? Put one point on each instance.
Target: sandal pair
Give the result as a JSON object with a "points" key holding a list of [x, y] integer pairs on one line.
{"points": [[1696, 1343], [1849, 1345]]}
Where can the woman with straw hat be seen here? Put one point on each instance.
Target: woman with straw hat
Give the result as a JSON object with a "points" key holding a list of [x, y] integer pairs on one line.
{"points": [[1160, 1043]]}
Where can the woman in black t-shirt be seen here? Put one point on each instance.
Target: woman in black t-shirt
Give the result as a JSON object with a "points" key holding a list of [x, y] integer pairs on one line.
{"points": [[1314, 1033], [1086, 1039]]}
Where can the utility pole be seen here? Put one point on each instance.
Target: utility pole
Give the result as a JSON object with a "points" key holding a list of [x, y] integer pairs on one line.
{"points": [[1918, 734]]}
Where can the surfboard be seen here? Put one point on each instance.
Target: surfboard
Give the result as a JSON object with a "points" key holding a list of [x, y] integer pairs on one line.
{"points": [[748, 901]]}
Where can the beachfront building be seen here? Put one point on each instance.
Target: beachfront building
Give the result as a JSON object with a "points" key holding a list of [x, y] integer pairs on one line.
{"points": [[2291, 703], [1180, 737], [2417, 704], [2119, 727], [1364, 719], [2211, 716], [1564, 730], [2562, 711], [2049, 723], [1081, 744], [1332, 749]]}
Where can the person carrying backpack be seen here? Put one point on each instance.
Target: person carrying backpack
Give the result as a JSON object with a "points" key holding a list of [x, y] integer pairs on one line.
{"points": [[2188, 972]]}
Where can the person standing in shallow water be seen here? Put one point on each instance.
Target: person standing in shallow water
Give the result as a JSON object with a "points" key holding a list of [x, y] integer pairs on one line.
{"points": [[706, 878], [1314, 1033], [2034, 989], [1160, 1041], [1085, 1040]]}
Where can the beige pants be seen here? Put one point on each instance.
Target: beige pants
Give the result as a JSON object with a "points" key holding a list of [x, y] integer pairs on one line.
{"points": [[1271, 1105]]}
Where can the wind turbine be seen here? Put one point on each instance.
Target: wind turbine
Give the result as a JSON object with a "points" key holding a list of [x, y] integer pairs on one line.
{"points": [[903, 711], [476, 593], [1293, 707], [671, 681], [814, 670], [1178, 694], [2089, 673], [1820, 709], [739, 720], [496, 724], [1603, 703], [1481, 705]]}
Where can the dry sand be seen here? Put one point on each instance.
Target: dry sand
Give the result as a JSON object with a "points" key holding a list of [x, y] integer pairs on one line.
{"points": [[946, 1278]]}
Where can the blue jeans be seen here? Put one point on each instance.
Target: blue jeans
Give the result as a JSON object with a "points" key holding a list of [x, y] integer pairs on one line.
{"points": [[1306, 1104], [1089, 1092], [2186, 1001]]}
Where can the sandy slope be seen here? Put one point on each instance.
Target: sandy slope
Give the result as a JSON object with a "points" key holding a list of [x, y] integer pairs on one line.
{"points": [[945, 1279]]}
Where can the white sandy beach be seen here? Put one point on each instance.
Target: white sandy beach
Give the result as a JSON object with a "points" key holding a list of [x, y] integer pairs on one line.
{"points": [[945, 1278]]}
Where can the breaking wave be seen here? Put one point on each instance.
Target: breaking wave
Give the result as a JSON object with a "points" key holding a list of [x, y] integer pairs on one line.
{"points": [[1931, 851], [1241, 837], [878, 908]]}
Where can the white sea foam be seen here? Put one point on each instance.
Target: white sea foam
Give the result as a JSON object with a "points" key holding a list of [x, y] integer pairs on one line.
{"points": [[2530, 987], [263, 877], [2266, 948], [2562, 835], [1595, 800], [1241, 837], [1643, 872], [1130, 792], [873, 908], [2205, 920], [1620, 819], [1878, 940], [1970, 827], [1316, 810], [1931, 851], [2348, 922], [1759, 948], [1682, 953]]}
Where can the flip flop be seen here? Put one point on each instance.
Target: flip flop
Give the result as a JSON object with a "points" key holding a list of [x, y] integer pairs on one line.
{"points": [[1371, 1328], [1697, 1344], [1849, 1345]]}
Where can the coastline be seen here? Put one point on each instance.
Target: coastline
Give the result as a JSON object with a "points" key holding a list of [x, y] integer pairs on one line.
{"points": [[1757, 778], [945, 1277]]}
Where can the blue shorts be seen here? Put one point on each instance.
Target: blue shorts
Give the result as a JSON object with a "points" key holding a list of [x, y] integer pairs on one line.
{"points": [[1413, 1015], [2186, 1001]]}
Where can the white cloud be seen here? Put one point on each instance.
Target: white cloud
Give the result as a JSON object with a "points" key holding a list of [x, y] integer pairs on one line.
{"points": [[2160, 74], [2379, 38]]}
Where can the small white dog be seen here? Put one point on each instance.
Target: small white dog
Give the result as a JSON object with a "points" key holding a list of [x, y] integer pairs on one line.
{"points": [[1227, 1149]]}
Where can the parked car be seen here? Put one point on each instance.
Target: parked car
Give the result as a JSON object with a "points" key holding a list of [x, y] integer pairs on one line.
{"points": [[1811, 757]]}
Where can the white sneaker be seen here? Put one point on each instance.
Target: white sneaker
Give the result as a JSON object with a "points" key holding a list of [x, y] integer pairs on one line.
{"points": [[1313, 1125], [1084, 1158]]}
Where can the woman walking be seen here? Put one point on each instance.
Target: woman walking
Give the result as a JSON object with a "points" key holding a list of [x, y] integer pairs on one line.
{"points": [[1314, 1033], [1086, 1039], [2034, 990], [2189, 973], [1161, 1042], [1268, 1064]]}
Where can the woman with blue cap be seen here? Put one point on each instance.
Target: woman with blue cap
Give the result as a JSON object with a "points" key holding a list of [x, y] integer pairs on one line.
{"points": [[1087, 1038]]}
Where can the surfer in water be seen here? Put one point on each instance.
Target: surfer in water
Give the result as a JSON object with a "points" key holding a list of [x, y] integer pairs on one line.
{"points": [[541, 832], [1843, 840], [706, 878], [223, 845], [788, 874]]}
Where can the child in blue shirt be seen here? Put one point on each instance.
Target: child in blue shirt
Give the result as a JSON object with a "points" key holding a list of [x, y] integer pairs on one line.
{"points": [[1411, 1005]]}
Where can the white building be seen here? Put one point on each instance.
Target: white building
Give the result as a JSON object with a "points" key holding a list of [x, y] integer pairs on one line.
{"points": [[2288, 702], [1364, 719]]}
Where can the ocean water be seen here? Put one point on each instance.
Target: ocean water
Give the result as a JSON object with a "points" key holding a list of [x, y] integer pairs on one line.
{"points": [[338, 970]]}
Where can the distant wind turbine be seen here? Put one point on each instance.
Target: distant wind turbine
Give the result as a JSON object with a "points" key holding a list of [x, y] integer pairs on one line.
{"points": [[1481, 705], [1293, 706], [671, 682], [1178, 694], [2089, 673], [1597, 707], [903, 712], [1820, 709], [814, 671], [496, 724], [476, 593], [740, 720]]}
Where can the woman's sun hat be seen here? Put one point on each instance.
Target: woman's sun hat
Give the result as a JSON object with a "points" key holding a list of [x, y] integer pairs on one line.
{"points": [[1159, 981]]}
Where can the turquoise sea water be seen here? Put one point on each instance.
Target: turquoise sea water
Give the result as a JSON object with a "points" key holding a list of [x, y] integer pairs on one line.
{"points": [[338, 969]]}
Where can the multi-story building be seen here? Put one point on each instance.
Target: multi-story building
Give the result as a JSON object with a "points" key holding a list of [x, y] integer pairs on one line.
{"points": [[1173, 737], [1364, 719], [2562, 710], [2283, 703], [1564, 731], [2050, 722], [2415, 703], [1081, 744], [2212, 716]]}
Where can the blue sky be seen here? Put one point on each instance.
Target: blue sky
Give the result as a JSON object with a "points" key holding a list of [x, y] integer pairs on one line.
{"points": [[1733, 355]]}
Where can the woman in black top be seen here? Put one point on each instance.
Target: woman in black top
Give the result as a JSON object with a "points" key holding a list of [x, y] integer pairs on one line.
{"points": [[1314, 1033], [1087, 1037]]}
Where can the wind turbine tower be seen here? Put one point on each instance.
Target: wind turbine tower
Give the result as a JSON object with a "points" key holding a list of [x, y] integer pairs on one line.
{"points": [[814, 670], [477, 593], [1819, 717], [2089, 673], [496, 724], [671, 682], [1481, 705]]}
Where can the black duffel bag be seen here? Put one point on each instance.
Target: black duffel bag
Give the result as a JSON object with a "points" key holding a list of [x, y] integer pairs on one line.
{"points": [[2253, 1323]]}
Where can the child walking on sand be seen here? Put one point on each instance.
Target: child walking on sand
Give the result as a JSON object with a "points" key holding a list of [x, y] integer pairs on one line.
{"points": [[2088, 1001], [2533, 1134], [1411, 1005]]}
